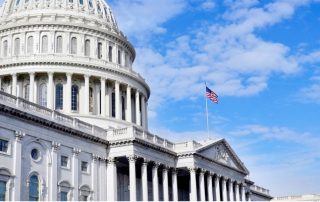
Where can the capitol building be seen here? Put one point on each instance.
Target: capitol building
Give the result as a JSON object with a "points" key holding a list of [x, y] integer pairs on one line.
{"points": [[74, 121]]}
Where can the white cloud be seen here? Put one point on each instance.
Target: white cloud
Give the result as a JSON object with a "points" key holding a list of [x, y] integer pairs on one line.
{"points": [[208, 5]]}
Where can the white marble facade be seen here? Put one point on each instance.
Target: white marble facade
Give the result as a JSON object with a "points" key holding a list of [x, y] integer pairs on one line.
{"points": [[74, 122]]}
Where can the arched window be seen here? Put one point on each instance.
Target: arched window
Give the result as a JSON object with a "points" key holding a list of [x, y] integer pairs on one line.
{"points": [[81, 2], [59, 44], [90, 3], [26, 91], [4, 178], [16, 47], [44, 45], [119, 57], [43, 95], [5, 48], [64, 189], [74, 97], [73, 45], [110, 53], [91, 99], [84, 193], [113, 106], [99, 8], [99, 50], [30, 45], [87, 48], [59, 96], [34, 188], [3, 185]]}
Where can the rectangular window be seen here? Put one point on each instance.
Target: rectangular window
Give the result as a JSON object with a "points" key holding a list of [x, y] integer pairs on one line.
{"points": [[64, 161], [64, 196], [119, 57], [4, 145], [110, 54], [3, 190], [84, 166]]}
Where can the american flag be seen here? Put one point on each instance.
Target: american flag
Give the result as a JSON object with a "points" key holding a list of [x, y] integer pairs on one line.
{"points": [[211, 95]]}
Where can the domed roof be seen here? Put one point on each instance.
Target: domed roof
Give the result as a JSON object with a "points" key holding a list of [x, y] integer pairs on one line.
{"points": [[96, 11]]}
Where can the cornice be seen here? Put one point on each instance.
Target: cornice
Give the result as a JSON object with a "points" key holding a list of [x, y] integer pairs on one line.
{"points": [[50, 124]]}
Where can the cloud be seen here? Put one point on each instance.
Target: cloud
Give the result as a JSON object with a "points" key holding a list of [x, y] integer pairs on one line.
{"points": [[208, 5]]}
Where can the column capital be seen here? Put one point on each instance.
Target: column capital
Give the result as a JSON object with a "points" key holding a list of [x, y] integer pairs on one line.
{"points": [[192, 169], [86, 76], [102, 79], [76, 151], [132, 158], [14, 74], [19, 135], [31, 73], [117, 82], [202, 171], [129, 87], [55, 146], [174, 170], [111, 160], [50, 73], [156, 165], [95, 157], [69, 74], [146, 161]]}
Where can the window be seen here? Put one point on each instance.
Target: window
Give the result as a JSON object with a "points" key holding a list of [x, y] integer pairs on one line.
{"points": [[4, 145], [99, 8], [34, 188], [84, 193], [64, 161], [74, 97], [83, 198], [81, 2], [70, 1], [73, 45], [44, 45], [3, 190], [91, 99], [5, 48], [43, 95], [30, 45], [90, 3], [87, 48], [59, 44], [26, 91], [16, 47], [99, 50], [113, 99], [84, 166], [119, 57], [63, 196], [123, 106], [35, 154], [110, 54], [17, 2], [59, 96]]}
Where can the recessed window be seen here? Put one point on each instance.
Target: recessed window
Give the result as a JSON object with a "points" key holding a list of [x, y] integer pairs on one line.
{"points": [[3, 190], [64, 196], [4, 145], [64, 161], [84, 166], [35, 154], [34, 188]]}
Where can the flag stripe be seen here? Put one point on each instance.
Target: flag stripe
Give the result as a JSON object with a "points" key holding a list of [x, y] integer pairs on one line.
{"points": [[211, 95]]}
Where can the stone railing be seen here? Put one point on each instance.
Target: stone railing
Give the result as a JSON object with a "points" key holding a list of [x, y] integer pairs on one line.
{"points": [[307, 197], [260, 189], [187, 146], [68, 58], [135, 132], [55, 116]]}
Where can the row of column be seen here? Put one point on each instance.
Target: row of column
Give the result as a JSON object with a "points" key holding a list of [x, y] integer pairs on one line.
{"points": [[140, 113], [227, 187]]}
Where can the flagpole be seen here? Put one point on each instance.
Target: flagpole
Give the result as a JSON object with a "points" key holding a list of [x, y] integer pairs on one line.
{"points": [[207, 114]]}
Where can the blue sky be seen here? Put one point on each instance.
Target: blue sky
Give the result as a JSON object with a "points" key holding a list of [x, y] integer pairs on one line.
{"points": [[261, 58]]}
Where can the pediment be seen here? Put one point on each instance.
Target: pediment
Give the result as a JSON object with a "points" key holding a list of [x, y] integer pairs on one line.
{"points": [[220, 151]]}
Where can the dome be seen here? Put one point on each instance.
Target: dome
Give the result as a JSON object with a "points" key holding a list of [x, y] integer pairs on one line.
{"points": [[96, 12], [70, 56]]}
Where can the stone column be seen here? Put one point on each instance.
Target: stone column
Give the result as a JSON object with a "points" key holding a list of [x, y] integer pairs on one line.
{"points": [[243, 196], [237, 192], [129, 113], [117, 100], [155, 183], [209, 187], [94, 176], [224, 190], [112, 180], [193, 184], [103, 97], [75, 173], [143, 111], [54, 172], [165, 184], [138, 119], [175, 185], [69, 93], [144, 178], [17, 166], [217, 187], [50, 91], [31, 87], [132, 178], [231, 197], [202, 186], [14, 85], [86, 94]]}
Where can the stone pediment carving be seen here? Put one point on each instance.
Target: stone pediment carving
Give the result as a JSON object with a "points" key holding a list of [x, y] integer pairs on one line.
{"points": [[221, 152]]}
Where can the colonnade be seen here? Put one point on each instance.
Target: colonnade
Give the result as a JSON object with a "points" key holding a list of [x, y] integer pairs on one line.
{"points": [[127, 100], [207, 185]]}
